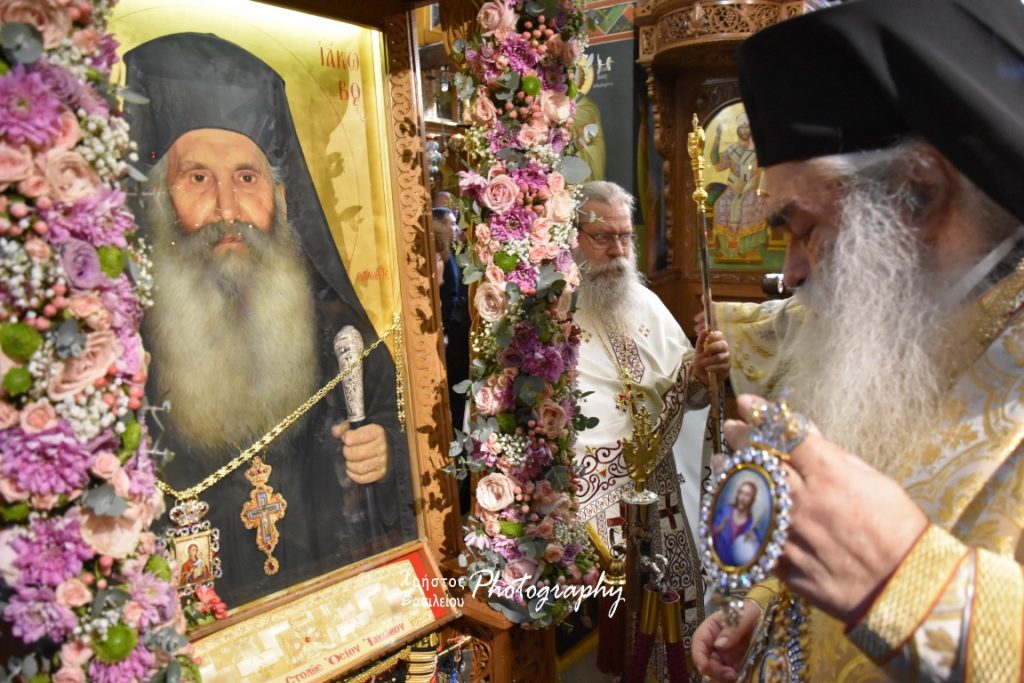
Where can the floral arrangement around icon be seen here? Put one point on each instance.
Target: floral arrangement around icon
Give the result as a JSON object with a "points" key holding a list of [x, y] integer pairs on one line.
{"points": [[518, 68], [86, 592]]}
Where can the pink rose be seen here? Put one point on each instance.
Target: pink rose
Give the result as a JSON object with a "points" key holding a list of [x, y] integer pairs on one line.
{"points": [[482, 233], [495, 492], [537, 254], [496, 276], [10, 491], [533, 135], [49, 16], [70, 133], [147, 543], [75, 374], [132, 613], [555, 46], [555, 106], [571, 52], [73, 593], [574, 573], [492, 528], [38, 416], [89, 308], [556, 182], [15, 163], [8, 572], [68, 674], [560, 207], [38, 249], [106, 465], [34, 186], [482, 111], [86, 40], [540, 230], [572, 275], [562, 304], [545, 528], [148, 510], [46, 501], [70, 176], [75, 653], [490, 301], [554, 552], [486, 401], [501, 194], [552, 417], [590, 578], [121, 483], [495, 17], [107, 535], [8, 414], [520, 572]]}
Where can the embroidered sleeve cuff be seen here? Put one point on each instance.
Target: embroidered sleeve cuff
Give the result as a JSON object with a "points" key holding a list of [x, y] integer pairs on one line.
{"points": [[697, 393], [763, 593], [909, 595]]}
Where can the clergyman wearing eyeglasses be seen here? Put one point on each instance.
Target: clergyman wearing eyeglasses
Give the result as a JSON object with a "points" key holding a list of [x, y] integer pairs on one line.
{"points": [[631, 338]]}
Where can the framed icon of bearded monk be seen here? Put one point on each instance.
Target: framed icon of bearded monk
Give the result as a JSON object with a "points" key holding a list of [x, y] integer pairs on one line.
{"points": [[268, 189]]}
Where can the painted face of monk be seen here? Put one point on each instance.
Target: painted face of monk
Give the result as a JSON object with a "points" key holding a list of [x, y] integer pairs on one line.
{"points": [[219, 176]]}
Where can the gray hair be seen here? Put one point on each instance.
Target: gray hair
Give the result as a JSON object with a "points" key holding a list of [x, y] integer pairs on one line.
{"points": [[892, 172], [607, 193]]}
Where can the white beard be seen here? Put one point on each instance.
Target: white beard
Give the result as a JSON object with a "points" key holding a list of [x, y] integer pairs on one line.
{"points": [[607, 293], [235, 335], [867, 364]]}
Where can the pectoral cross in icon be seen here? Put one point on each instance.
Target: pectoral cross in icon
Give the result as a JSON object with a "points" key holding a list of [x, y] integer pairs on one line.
{"points": [[262, 512]]}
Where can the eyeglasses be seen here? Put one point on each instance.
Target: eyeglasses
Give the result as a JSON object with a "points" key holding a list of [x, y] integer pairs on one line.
{"points": [[605, 239]]}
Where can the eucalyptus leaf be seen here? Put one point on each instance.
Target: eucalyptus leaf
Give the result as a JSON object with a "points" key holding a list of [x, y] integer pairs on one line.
{"points": [[504, 94], [472, 276], [559, 477], [22, 44], [528, 388], [136, 175], [462, 387], [131, 96], [69, 340], [574, 169], [29, 666], [103, 501]]}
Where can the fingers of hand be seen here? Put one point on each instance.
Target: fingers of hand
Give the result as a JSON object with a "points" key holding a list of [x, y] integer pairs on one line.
{"points": [[737, 434], [338, 430]]}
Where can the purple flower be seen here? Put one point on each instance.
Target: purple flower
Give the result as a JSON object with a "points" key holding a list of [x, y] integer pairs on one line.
{"points": [[121, 302], [140, 473], [472, 184], [524, 339], [100, 219], [52, 552], [512, 225], [501, 138], [539, 454], [525, 276], [132, 353], [571, 354], [570, 553], [106, 53], [546, 363], [135, 668], [522, 57], [157, 597], [481, 63], [34, 614], [82, 265], [559, 139], [28, 111], [563, 260], [509, 357], [51, 461], [533, 174]]}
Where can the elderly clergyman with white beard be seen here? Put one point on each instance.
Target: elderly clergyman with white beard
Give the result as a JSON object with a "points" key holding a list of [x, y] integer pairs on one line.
{"points": [[631, 338], [250, 294], [895, 168]]}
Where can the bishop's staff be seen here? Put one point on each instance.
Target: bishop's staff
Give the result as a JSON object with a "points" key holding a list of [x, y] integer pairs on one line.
{"points": [[695, 146]]}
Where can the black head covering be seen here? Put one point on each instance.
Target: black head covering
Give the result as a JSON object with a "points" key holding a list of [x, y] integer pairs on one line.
{"points": [[196, 80], [862, 75]]}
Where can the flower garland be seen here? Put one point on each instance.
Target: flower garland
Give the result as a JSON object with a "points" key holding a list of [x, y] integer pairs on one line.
{"points": [[86, 593], [517, 70]]}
